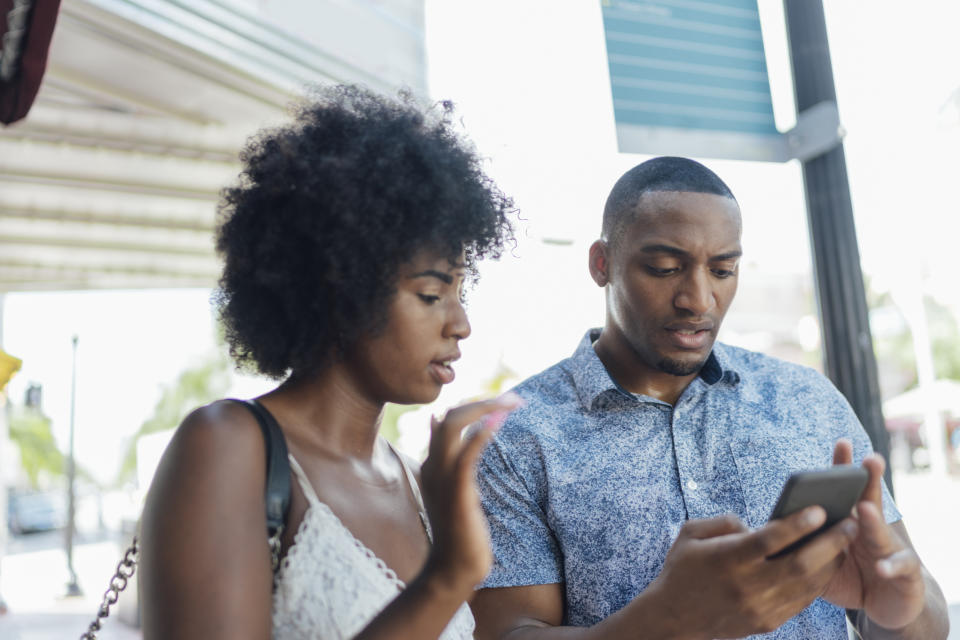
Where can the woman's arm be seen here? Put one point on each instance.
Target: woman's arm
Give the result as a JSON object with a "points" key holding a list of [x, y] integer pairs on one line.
{"points": [[460, 556], [204, 563]]}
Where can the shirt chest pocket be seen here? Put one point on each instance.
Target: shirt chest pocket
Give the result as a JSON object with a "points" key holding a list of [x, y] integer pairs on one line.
{"points": [[764, 464]]}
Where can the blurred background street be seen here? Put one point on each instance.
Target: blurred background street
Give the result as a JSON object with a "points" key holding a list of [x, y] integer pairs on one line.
{"points": [[109, 190]]}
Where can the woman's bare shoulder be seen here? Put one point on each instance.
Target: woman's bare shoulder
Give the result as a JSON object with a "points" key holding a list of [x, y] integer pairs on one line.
{"points": [[204, 529], [217, 447]]}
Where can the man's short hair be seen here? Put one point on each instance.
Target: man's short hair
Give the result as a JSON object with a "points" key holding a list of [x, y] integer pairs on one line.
{"points": [[666, 173]]}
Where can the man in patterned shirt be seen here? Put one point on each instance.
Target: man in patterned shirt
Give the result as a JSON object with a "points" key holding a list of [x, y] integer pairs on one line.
{"points": [[629, 498]]}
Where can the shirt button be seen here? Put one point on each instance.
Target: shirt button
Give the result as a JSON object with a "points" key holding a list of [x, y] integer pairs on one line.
{"points": [[691, 485]]}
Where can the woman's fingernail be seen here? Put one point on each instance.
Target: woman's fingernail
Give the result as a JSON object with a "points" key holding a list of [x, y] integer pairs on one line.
{"points": [[510, 400], [493, 421]]}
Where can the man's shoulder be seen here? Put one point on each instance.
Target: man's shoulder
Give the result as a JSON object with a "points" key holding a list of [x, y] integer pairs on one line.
{"points": [[553, 384], [774, 378], [755, 368], [549, 398]]}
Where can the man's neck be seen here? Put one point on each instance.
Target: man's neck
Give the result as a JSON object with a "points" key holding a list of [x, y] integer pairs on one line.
{"points": [[630, 372]]}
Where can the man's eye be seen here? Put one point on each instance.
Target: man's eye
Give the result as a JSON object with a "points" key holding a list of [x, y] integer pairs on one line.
{"points": [[658, 271], [429, 299], [724, 273]]}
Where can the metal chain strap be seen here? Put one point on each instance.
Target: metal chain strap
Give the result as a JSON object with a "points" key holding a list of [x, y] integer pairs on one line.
{"points": [[128, 565], [11, 47], [118, 583], [274, 543]]}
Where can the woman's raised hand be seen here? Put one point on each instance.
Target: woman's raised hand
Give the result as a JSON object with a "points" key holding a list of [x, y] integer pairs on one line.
{"points": [[461, 555]]}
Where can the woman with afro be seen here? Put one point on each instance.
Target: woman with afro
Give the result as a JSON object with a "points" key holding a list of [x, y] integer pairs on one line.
{"points": [[346, 246]]}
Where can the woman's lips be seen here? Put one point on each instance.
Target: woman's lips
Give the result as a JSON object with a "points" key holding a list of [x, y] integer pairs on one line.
{"points": [[442, 372]]}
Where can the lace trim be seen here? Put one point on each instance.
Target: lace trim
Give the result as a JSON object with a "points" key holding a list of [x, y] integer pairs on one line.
{"points": [[299, 602], [321, 581]]}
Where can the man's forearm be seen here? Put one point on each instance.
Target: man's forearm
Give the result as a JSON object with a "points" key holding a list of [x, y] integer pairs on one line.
{"points": [[642, 618], [932, 623]]}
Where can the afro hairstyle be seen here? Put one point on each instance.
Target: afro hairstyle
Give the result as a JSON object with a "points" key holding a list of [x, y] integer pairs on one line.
{"points": [[328, 208]]}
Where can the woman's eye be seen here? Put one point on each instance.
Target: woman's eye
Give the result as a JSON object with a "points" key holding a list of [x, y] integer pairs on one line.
{"points": [[427, 298]]}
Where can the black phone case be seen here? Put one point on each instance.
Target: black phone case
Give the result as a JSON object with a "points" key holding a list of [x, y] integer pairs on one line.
{"points": [[836, 490]]}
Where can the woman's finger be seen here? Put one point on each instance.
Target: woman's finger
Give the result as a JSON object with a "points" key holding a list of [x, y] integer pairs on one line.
{"points": [[472, 447], [445, 437]]}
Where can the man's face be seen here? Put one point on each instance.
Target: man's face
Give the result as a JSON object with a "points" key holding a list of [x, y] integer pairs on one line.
{"points": [[671, 277]]}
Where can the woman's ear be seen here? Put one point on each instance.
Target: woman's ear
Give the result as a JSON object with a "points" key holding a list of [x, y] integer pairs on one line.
{"points": [[599, 263]]}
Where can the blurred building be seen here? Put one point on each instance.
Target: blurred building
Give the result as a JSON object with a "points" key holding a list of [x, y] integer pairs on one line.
{"points": [[112, 179]]}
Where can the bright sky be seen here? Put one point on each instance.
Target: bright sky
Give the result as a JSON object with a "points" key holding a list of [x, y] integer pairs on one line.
{"points": [[530, 79]]}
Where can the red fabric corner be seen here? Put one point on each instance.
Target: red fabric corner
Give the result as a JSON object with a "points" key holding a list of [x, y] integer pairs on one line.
{"points": [[17, 95]]}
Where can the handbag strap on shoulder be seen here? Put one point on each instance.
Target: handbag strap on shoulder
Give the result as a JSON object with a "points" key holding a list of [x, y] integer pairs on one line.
{"points": [[277, 497], [277, 493]]}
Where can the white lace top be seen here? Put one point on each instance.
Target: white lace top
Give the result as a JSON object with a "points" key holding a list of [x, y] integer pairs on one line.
{"points": [[330, 585]]}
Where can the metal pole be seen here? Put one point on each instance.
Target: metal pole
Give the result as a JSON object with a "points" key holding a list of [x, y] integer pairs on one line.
{"points": [[73, 588], [848, 346]]}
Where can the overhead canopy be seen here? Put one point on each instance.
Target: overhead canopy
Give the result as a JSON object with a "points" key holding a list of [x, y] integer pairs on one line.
{"points": [[112, 179]]}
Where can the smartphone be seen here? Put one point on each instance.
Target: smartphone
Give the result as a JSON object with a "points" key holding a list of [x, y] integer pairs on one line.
{"points": [[836, 489]]}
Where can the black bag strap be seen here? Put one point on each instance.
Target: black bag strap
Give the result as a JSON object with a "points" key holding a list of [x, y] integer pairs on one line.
{"points": [[277, 493]]}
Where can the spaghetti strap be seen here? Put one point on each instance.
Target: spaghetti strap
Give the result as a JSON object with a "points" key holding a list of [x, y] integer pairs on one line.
{"points": [[415, 489], [303, 480]]}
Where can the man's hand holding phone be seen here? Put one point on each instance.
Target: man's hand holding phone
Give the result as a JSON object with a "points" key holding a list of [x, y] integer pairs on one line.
{"points": [[880, 573], [764, 577], [749, 590]]}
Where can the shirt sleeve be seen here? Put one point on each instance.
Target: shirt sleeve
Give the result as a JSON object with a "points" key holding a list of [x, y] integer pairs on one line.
{"points": [[525, 551]]}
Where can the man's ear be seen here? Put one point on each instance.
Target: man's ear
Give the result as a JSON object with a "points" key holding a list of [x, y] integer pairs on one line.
{"points": [[599, 263]]}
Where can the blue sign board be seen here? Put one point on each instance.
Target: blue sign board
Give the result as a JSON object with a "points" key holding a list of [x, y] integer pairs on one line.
{"points": [[690, 77]]}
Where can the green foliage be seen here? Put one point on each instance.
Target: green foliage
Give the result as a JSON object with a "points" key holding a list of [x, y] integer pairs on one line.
{"points": [[195, 386], [898, 350], [503, 378], [389, 428], [944, 333], [944, 341], [30, 431]]}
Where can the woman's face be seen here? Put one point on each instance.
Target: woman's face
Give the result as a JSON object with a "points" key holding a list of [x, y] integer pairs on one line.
{"points": [[409, 360]]}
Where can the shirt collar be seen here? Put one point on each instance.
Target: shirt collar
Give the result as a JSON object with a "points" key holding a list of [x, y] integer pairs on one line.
{"points": [[591, 379]]}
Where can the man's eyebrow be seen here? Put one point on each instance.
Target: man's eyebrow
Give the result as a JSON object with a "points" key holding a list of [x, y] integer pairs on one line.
{"points": [[663, 248], [730, 255], [433, 273], [675, 251]]}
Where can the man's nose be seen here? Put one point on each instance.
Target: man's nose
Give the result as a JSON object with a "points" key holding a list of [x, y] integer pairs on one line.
{"points": [[695, 294]]}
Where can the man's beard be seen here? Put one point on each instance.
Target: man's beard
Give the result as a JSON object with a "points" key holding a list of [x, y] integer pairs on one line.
{"points": [[678, 367]]}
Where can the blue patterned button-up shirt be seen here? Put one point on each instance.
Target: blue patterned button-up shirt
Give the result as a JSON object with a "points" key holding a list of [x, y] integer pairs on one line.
{"points": [[588, 484]]}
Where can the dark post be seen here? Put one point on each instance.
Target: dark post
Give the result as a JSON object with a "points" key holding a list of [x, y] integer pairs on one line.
{"points": [[848, 346]]}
